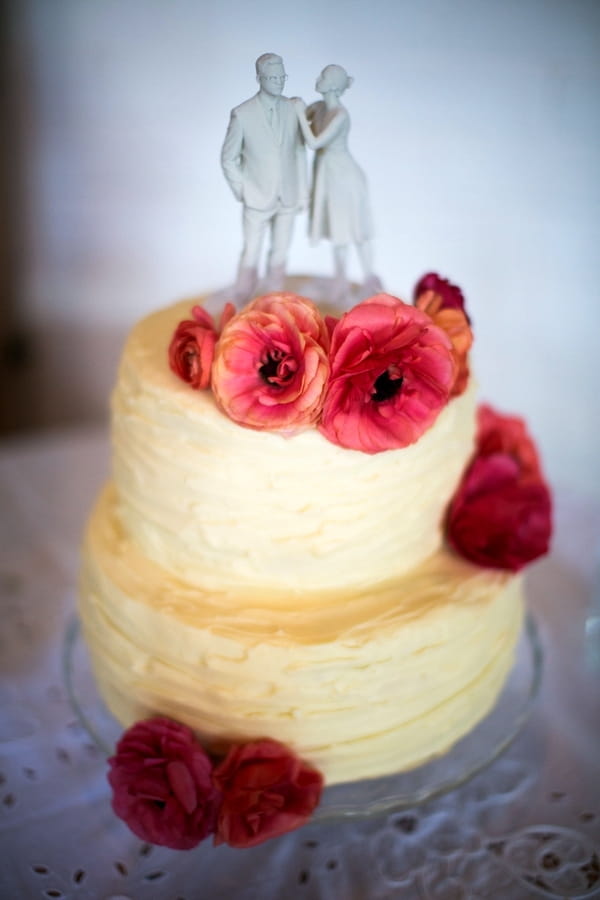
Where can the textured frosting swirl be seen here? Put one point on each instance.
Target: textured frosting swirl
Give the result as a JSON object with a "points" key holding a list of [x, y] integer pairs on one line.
{"points": [[223, 506], [360, 682]]}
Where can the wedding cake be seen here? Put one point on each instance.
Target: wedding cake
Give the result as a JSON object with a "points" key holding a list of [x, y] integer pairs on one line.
{"points": [[312, 539]]}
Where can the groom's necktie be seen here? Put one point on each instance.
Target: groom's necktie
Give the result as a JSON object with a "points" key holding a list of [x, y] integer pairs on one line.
{"points": [[274, 117]]}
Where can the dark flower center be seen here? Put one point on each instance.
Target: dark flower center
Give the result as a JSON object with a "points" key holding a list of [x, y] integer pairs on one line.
{"points": [[278, 367], [387, 385]]}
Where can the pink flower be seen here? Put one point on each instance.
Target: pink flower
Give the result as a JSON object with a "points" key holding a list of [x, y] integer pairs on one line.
{"points": [[392, 371], [271, 367], [448, 295], [162, 784], [501, 515], [267, 791], [192, 347]]}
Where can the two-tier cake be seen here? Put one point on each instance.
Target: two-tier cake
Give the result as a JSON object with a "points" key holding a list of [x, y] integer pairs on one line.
{"points": [[310, 539]]}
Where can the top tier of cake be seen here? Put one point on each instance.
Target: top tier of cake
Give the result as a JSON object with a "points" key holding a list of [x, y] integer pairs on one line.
{"points": [[222, 506]]}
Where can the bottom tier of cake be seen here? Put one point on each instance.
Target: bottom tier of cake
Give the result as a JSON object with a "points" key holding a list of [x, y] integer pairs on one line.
{"points": [[360, 684]]}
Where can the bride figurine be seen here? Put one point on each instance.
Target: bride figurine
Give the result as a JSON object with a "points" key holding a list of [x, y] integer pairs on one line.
{"points": [[339, 197]]}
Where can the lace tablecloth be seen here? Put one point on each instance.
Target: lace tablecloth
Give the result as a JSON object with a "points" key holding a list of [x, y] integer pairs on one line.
{"points": [[527, 826]]}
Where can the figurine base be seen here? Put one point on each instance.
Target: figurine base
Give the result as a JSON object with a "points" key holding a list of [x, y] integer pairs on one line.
{"points": [[322, 290]]}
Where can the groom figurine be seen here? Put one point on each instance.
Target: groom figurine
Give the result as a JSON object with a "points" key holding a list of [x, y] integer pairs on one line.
{"points": [[263, 160]]}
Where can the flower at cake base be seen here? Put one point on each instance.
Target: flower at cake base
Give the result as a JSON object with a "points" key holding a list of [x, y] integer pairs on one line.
{"points": [[267, 791], [444, 302], [501, 515], [392, 370], [192, 347], [162, 784], [271, 366]]}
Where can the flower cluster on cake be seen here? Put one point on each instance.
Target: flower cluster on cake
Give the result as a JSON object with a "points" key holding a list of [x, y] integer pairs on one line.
{"points": [[371, 381]]}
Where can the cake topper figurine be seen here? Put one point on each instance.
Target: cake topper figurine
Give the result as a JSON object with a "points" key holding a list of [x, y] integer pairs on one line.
{"points": [[339, 197], [263, 160]]}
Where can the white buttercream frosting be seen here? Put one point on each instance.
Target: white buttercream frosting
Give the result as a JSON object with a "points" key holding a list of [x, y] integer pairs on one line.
{"points": [[360, 683], [220, 505], [252, 585]]}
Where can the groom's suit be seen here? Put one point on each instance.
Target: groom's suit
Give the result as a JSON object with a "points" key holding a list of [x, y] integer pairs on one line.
{"points": [[264, 163], [263, 160]]}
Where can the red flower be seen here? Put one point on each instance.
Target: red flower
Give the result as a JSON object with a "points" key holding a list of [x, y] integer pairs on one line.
{"points": [[507, 435], [391, 374], [450, 296], [192, 347], [501, 515], [271, 365], [162, 784], [267, 791]]}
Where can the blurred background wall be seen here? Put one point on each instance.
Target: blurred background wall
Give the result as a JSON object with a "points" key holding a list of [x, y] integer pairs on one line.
{"points": [[477, 122]]}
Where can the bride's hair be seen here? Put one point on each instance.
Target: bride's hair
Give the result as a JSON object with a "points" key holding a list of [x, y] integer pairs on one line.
{"points": [[338, 78]]}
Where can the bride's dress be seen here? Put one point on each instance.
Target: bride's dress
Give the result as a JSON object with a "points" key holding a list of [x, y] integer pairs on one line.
{"points": [[339, 203]]}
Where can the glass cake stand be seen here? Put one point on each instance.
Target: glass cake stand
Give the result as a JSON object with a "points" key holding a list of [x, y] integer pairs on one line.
{"points": [[370, 797]]}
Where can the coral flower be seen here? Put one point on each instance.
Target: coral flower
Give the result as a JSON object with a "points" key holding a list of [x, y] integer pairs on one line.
{"points": [[267, 791], [162, 784], [271, 364], [501, 515], [192, 346], [392, 370], [444, 302]]}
